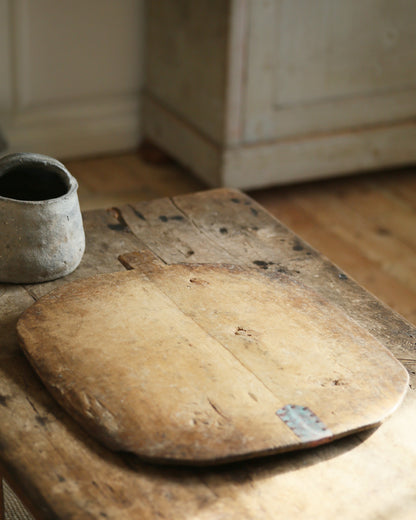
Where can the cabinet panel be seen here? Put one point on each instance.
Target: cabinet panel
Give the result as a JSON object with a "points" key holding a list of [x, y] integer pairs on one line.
{"points": [[328, 64]]}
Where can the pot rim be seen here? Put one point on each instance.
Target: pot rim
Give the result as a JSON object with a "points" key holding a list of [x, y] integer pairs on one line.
{"points": [[10, 161]]}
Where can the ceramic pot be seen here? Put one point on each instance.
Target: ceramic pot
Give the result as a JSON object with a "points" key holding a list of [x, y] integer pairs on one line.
{"points": [[41, 231]]}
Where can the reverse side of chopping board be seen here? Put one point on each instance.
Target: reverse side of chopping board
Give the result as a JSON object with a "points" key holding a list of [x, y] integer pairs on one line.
{"points": [[205, 364]]}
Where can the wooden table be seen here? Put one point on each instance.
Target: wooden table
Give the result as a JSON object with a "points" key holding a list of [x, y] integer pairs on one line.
{"points": [[61, 472]]}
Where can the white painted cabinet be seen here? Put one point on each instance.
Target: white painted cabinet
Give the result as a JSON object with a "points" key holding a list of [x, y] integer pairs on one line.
{"points": [[256, 92]]}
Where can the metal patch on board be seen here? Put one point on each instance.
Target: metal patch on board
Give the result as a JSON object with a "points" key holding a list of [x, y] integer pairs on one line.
{"points": [[304, 423]]}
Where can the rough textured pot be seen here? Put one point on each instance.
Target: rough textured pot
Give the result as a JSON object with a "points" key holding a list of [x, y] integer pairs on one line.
{"points": [[41, 231]]}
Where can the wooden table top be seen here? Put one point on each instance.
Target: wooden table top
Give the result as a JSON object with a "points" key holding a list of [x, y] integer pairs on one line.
{"points": [[63, 473]]}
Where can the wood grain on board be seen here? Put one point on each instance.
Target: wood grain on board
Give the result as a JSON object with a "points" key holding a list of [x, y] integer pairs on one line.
{"points": [[65, 473], [203, 363]]}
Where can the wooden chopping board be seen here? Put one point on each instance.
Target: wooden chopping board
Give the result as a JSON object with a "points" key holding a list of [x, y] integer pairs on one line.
{"points": [[204, 364]]}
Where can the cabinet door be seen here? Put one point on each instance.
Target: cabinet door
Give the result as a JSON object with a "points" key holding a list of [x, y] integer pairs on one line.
{"points": [[324, 65]]}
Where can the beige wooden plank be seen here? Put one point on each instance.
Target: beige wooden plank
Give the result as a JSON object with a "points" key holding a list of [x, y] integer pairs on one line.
{"points": [[215, 235], [170, 234], [168, 227]]}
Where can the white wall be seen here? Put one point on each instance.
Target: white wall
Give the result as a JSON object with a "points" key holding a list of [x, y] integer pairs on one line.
{"points": [[70, 75]]}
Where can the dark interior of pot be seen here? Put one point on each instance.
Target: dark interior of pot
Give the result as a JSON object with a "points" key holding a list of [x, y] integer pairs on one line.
{"points": [[33, 182]]}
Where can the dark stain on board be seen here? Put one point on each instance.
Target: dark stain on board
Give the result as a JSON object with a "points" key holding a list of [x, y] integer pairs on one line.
{"points": [[223, 231], [254, 211], [282, 269], [164, 218], [122, 224], [41, 420], [199, 281], [262, 264], [297, 246], [235, 200], [342, 276], [277, 270], [3, 400], [118, 227], [383, 231], [285, 270]]}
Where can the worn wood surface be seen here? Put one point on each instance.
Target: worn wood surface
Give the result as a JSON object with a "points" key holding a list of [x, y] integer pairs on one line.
{"points": [[64, 473], [193, 363]]}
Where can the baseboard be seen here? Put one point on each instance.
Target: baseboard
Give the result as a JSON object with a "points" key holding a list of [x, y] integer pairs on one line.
{"points": [[322, 156], [280, 161], [77, 129]]}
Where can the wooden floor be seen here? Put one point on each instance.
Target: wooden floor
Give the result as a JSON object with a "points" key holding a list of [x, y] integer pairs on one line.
{"points": [[366, 224]]}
